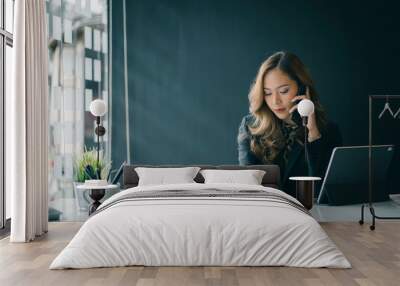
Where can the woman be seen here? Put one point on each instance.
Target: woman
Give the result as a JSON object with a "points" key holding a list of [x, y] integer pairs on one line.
{"points": [[273, 133]]}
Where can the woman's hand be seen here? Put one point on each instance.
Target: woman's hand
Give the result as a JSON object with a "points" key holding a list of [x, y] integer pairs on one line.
{"points": [[312, 127]]}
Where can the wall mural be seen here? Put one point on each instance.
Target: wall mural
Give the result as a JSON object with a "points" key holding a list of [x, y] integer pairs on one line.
{"points": [[212, 83], [221, 82]]}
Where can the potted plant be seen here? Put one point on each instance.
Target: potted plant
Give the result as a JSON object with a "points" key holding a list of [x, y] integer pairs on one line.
{"points": [[88, 170]]}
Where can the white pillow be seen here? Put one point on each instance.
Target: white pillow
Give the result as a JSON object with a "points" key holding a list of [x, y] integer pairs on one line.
{"points": [[248, 177], [163, 176]]}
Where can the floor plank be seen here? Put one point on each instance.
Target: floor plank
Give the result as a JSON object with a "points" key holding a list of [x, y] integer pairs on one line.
{"points": [[375, 257]]}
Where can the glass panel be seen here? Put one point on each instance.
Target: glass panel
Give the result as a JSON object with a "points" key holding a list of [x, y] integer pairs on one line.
{"points": [[9, 15], [88, 99], [75, 29], [2, 136], [105, 42], [96, 40], [97, 70], [8, 67], [88, 69], [57, 28], [67, 31], [88, 37], [1, 15]]}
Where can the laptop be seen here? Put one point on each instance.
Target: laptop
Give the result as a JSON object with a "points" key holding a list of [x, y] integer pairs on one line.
{"points": [[346, 177]]}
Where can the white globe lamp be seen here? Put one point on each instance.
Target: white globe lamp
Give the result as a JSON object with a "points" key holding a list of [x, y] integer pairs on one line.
{"points": [[98, 107]]}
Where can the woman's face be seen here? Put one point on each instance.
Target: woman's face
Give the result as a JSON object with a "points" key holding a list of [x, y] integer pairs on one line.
{"points": [[279, 90]]}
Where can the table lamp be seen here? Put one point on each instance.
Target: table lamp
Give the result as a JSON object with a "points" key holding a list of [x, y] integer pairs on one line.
{"points": [[305, 109], [98, 108]]}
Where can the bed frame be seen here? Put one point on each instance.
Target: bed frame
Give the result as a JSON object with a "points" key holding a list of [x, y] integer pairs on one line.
{"points": [[271, 178]]}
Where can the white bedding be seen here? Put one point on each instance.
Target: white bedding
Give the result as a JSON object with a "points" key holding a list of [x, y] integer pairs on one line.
{"points": [[200, 231]]}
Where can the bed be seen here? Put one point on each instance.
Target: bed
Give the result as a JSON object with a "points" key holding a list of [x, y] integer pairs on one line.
{"points": [[198, 224]]}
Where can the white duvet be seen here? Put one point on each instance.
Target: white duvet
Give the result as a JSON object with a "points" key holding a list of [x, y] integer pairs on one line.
{"points": [[200, 231]]}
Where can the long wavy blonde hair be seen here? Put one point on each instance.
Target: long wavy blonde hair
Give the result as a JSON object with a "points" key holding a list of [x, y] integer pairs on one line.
{"points": [[267, 139]]}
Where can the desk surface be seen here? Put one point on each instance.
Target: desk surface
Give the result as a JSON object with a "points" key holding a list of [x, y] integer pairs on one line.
{"points": [[91, 187], [305, 178]]}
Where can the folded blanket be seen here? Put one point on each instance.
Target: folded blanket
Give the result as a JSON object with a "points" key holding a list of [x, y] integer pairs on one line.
{"points": [[205, 193]]}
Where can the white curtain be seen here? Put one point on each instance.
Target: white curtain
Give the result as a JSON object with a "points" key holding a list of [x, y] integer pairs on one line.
{"points": [[27, 145]]}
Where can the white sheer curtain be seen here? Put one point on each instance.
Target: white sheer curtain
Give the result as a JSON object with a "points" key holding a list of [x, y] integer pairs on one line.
{"points": [[27, 123]]}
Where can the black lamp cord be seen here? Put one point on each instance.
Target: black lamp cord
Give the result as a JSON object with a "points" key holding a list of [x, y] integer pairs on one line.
{"points": [[305, 145], [98, 143]]}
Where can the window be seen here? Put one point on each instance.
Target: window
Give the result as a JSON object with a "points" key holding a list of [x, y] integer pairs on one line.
{"points": [[78, 73], [6, 44]]}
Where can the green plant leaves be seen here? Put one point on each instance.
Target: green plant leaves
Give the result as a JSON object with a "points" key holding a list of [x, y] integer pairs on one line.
{"points": [[86, 167]]}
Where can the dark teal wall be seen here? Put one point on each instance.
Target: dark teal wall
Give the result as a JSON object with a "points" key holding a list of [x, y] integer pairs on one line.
{"points": [[191, 64]]}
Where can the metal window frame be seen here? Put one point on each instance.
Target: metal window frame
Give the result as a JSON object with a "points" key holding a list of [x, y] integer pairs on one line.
{"points": [[2, 117], [6, 39]]}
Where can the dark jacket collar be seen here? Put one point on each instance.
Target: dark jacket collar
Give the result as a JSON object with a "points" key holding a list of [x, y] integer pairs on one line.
{"points": [[294, 156]]}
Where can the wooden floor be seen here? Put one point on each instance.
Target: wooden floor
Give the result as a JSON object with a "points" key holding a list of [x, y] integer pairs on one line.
{"points": [[375, 257]]}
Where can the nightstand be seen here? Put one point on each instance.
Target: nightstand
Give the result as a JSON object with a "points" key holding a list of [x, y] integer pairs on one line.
{"points": [[305, 190], [96, 193]]}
